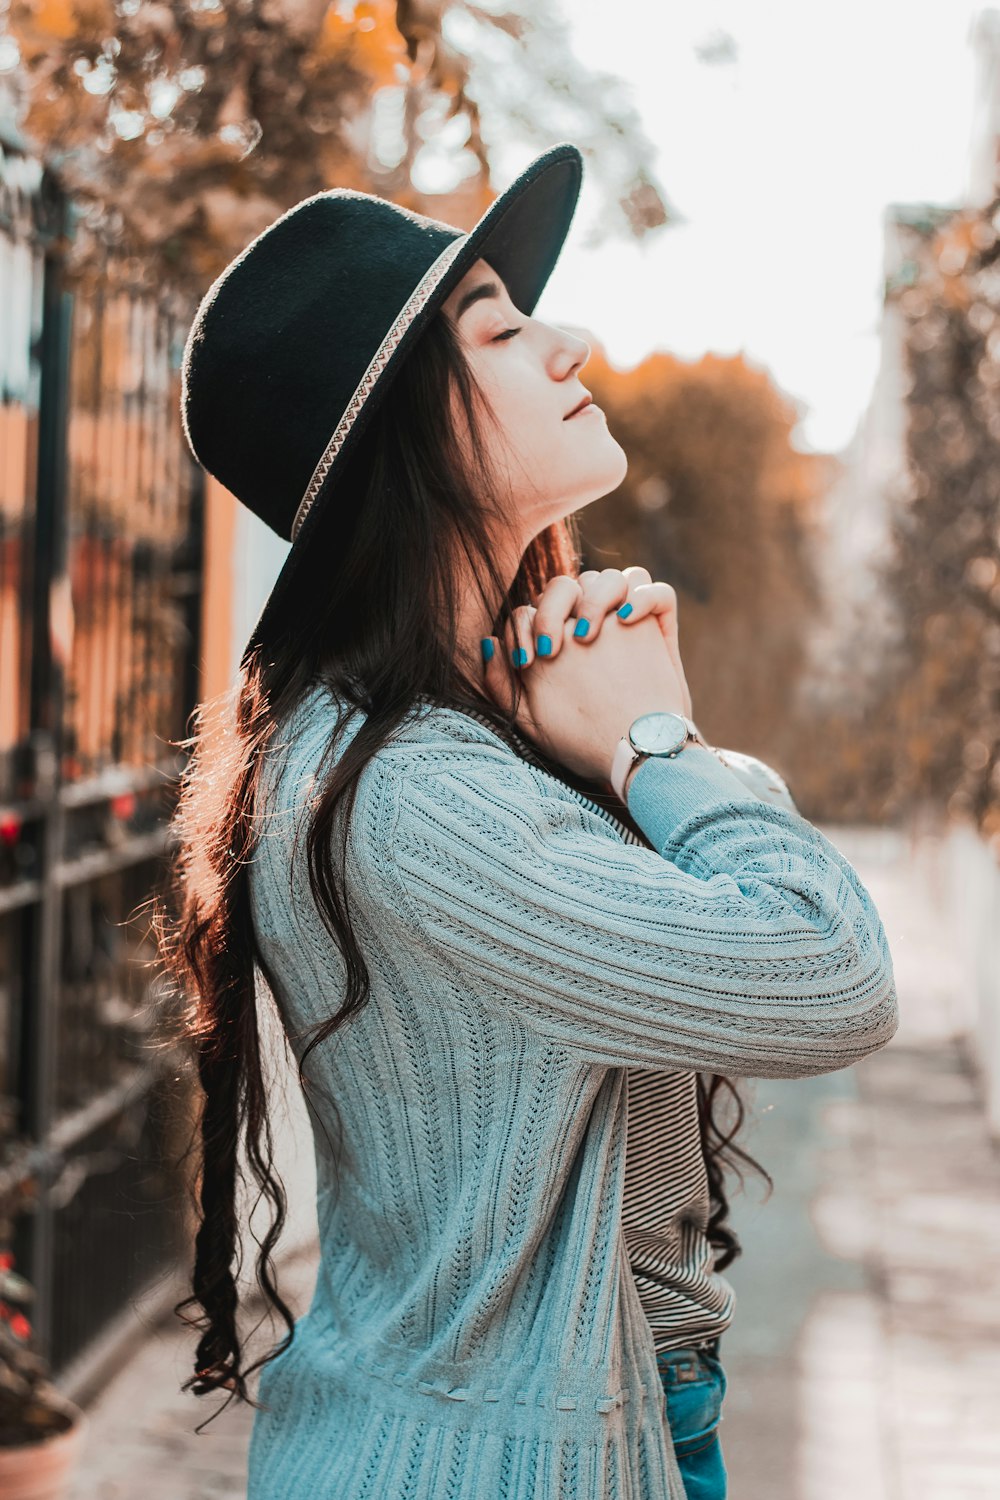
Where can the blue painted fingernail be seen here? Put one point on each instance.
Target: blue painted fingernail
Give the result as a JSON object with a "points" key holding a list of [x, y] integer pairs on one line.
{"points": [[519, 656], [582, 626], [624, 612], [544, 645], [486, 646]]}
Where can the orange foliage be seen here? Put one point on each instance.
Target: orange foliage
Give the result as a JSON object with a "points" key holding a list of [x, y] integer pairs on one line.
{"points": [[55, 18], [370, 39], [717, 502]]}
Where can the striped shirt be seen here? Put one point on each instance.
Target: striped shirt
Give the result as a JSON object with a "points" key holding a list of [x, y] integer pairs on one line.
{"points": [[665, 1204]]}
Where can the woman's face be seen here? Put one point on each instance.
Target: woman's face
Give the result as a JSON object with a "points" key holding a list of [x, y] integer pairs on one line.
{"points": [[530, 374]]}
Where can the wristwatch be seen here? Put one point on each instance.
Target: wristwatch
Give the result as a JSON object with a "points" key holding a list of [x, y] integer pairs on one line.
{"points": [[659, 733]]}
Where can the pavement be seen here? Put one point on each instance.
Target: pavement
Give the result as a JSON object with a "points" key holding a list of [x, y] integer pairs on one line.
{"points": [[864, 1358], [142, 1442]]}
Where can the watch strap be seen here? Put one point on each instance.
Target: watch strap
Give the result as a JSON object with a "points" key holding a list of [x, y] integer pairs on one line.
{"points": [[622, 760]]}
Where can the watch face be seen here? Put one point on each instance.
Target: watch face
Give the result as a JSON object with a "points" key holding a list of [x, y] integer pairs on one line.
{"points": [[658, 733]]}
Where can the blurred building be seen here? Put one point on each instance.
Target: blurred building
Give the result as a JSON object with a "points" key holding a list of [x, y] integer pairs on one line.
{"points": [[859, 513], [984, 151], [859, 505]]}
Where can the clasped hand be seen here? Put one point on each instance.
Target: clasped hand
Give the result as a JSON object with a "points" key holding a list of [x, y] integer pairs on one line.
{"points": [[580, 692]]}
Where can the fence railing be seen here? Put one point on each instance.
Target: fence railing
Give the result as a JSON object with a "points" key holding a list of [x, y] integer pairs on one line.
{"points": [[100, 573]]}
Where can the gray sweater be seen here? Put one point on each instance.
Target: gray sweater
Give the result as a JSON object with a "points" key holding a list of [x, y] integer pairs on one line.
{"points": [[476, 1329]]}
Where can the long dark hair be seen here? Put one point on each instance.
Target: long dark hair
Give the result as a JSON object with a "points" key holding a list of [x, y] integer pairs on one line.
{"points": [[381, 644]]}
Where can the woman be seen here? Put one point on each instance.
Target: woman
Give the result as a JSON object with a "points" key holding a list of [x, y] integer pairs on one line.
{"points": [[521, 924]]}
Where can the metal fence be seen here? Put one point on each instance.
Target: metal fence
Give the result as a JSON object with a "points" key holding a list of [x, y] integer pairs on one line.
{"points": [[100, 571]]}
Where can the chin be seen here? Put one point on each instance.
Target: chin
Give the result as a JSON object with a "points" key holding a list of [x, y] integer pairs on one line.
{"points": [[610, 469], [604, 473]]}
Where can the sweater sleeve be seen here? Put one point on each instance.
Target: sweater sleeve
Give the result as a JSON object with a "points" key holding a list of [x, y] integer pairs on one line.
{"points": [[759, 777], [743, 942]]}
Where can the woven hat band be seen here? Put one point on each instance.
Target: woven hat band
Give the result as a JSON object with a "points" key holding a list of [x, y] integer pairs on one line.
{"points": [[380, 359]]}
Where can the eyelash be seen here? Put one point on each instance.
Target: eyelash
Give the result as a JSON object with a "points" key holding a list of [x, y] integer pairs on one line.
{"points": [[508, 335]]}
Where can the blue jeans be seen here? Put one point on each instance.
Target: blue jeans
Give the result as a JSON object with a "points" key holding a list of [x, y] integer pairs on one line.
{"points": [[695, 1384]]}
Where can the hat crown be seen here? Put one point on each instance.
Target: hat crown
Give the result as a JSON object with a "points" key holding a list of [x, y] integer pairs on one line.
{"points": [[283, 335]]}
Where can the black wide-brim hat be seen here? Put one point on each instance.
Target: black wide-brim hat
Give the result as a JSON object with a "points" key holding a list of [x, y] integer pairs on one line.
{"points": [[296, 342]]}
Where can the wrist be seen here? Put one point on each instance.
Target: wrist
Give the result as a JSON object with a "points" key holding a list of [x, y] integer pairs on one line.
{"points": [[640, 760], [620, 775]]}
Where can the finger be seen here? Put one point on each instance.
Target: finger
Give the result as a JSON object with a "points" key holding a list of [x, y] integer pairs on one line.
{"points": [[502, 679], [659, 600], [636, 574], [647, 599], [663, 605], [602, 592], [664, 609], [518, 636], [555, 607], [496, 673], [499, 681]]}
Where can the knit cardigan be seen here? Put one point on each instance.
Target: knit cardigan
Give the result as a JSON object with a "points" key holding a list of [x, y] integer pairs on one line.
{"points": [[666, 1202], [475, 1329]]}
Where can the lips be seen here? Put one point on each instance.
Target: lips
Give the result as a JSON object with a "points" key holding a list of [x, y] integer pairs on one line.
{"points": [[587, 399]]}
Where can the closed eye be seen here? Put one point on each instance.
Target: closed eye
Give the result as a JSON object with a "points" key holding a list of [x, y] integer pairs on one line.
{"points": [[508, 335]]}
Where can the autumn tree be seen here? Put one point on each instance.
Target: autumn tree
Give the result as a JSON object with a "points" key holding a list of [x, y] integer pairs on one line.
{"points": [[182, 128], [719, 503], [942, 679], [907, 725], [185, 126]]}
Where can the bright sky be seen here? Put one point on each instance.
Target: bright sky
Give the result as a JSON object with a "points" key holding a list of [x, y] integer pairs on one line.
{"points": [[782, 163]]}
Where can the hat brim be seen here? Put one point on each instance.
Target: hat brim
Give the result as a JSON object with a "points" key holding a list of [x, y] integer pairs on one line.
{"points": [[521, 235]]}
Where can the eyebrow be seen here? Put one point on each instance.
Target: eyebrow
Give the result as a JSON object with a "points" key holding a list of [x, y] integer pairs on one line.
{"points": [[476, 294]]}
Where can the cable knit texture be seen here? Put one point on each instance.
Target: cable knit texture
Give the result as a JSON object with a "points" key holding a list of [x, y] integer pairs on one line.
{"points": [[476, 1328]]}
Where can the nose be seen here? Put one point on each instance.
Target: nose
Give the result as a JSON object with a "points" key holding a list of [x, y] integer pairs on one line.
{"points": [[571, 354], [579, 348]]}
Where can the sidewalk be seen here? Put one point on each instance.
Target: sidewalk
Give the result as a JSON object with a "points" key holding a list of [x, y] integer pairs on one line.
{"points": [[142, 1444], [933, 1218], [864, 1358]]}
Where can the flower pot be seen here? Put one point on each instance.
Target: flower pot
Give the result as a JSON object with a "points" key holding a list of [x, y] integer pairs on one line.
{"points": [[44, 1470]]}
